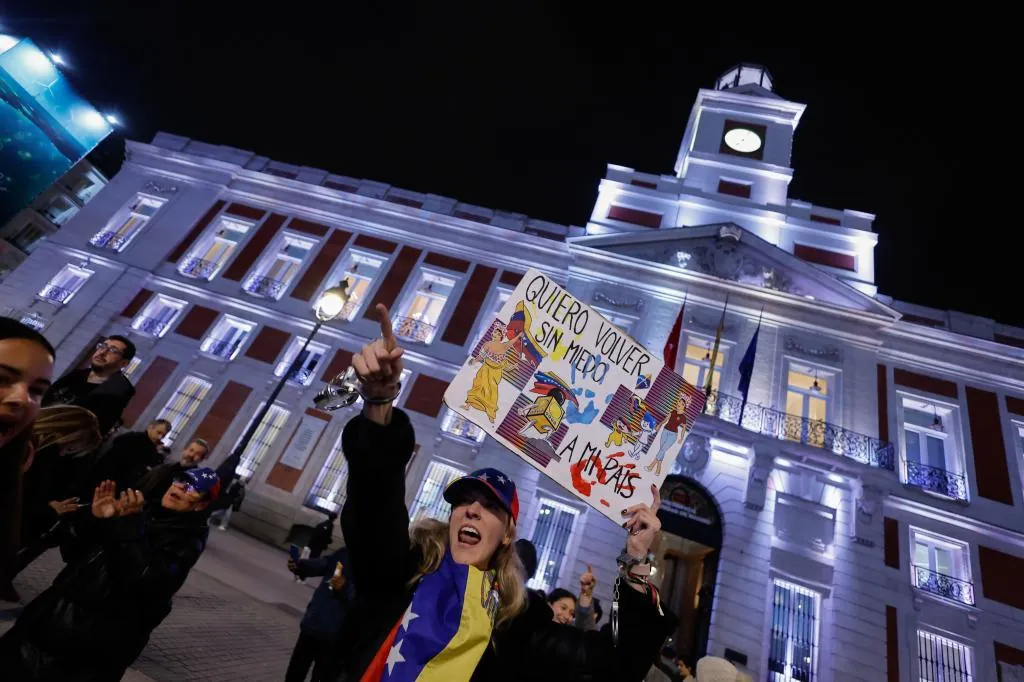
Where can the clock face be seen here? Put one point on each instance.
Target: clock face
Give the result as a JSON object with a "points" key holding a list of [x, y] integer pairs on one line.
{"points": [[743, 140]]}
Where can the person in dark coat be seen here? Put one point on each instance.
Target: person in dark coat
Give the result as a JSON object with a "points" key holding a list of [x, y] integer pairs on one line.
{"points": [[397, 569], [322, 535], [131, 455], [157, 479], [325, 615], [96, 617], [101, 388]]}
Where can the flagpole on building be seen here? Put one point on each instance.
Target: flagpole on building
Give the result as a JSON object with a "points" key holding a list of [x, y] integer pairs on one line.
{"points": [[714, 353], [745, 372]]}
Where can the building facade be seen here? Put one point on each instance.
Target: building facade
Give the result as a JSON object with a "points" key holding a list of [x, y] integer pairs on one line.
{"points": [[859, 517], [50, 210]]}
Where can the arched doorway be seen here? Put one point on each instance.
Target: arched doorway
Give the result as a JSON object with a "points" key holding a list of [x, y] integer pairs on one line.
{"points": [[686, 560]]}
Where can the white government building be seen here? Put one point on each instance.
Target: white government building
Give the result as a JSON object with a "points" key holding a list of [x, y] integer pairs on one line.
{"points": [[862, 521]]}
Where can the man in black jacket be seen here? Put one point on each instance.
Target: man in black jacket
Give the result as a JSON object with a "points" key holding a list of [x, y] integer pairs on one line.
{"points": [[321, 626], [132, 454], [96, 618], [102, 388]]}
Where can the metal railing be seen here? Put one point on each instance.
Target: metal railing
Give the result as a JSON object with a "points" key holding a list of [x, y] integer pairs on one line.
{"points": [[463, 429], [110, 240], [814, 432], [413, 330], [198, 268], [300, 375], [934, 480], [154, 326], [55, 294], [257, 285], [223, 348], [943, 585]]}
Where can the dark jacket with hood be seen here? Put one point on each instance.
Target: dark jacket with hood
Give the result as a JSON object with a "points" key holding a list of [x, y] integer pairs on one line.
{"points": [[375, 522], [325, 614], [96, 618]]}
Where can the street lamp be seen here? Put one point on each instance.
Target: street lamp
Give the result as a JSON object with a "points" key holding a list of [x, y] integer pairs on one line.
{"points": [[328, 307]]}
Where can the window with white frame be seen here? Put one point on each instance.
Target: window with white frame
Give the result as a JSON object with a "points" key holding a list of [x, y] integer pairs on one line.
{"points": [[625, 322], [158, 315], [132, 367], [227, 338], [266, 433], [697, 362], [420, 312], [65, 284], [551, 536], [59, 210], [127, 223], [360, 270], [931, 453], [941, 566], [87, 186], [943, 660], [460, 428], [182, 406], [328, 493], [305, 364], [275, 272], [215, 249], [429, 501], [808, 392], [1018, 439], [796, 622], [498, 302]]}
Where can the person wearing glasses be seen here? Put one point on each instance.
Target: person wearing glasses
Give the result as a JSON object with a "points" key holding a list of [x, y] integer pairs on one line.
{"points": [[100, 388]]}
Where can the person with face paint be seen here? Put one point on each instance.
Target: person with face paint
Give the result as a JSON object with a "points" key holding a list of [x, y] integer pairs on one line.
{"points": [[450, 597], [96, 617], [26, 365]]}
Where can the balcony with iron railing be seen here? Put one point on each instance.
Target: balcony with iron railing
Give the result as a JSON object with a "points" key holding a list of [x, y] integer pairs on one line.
{"points": [[110, 240], [223, 348], [154, 326], [813, 432], [934, 480], [943, 585], [56, 295], [264, 287], [460, 428], [301, 375], [198, 268], [412, 329]]}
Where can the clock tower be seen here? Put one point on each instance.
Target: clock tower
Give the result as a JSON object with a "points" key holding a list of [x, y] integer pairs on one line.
{"points": [[739, 138]]}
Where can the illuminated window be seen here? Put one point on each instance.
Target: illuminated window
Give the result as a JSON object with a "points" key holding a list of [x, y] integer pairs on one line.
{"points": [[132, 366], [308, 361], [697, 362], [59, 210], [429, 501], [270, 427], [328, 493], [359, 270], [65, 284], [943, 660], [182, 406], [457, 426], [158, 316], [793, 656], [127, 223], [551, 535], [275, 272], [931, 452], [87, 186], [498, 302], [213, 251], [418, 317], [807, 404], [227, 338], [1018, 439], [623, 322], [941, 566]]}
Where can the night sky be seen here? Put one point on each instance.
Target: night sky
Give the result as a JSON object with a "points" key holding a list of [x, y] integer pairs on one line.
{"points": [[521, 108]]}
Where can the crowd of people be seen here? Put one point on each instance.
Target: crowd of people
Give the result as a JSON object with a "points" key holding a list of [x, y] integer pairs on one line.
{"points": [[432, 600]]}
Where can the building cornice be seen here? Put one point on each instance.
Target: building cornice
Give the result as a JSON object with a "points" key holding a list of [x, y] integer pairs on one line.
{"points": [[1003, 536], [779, 110]]}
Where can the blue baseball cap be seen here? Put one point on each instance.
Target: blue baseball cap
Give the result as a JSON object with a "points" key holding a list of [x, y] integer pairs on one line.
{"points": [[203, 480], [492, 481]]}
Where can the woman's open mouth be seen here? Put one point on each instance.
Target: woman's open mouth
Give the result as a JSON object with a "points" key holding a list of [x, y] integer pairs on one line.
{"points": [[468, 536]]}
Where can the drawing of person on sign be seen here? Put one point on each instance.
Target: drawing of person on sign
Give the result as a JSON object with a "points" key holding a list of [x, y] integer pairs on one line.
{"points": [[674, 432], [483, 395]]}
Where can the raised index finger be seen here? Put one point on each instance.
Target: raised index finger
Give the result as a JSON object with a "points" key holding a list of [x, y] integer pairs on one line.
{"points": [[385, 327], [657, 498]]}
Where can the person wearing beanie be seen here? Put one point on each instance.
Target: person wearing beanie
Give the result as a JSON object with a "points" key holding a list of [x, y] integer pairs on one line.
{"points": [[96, 617], [714, 669]]}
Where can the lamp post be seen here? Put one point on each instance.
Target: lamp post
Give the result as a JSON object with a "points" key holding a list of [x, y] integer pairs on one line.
{"points": [[330, 304]]}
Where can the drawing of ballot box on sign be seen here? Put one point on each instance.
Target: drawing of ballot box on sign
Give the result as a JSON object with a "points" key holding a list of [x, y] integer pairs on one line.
{"points": [[545, 414]]}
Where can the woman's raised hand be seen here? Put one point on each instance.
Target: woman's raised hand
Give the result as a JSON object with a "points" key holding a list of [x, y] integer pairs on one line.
{"points": [[379, 367]]}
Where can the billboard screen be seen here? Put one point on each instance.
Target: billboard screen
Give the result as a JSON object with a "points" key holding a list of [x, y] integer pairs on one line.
{"points": [[45, 126]]}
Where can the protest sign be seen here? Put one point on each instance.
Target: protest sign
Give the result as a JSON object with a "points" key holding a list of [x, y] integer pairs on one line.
{"points": [[562, 387]]}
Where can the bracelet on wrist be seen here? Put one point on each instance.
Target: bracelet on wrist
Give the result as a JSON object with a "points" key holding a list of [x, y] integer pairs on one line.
{"points": [[381, 400]]}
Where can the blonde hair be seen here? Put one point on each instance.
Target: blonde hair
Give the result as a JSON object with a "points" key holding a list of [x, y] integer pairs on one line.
{"points": [[431, 537], [66, 426]]}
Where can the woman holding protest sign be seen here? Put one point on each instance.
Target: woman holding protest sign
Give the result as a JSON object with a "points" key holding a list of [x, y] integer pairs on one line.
{"points": [[448, 600]]}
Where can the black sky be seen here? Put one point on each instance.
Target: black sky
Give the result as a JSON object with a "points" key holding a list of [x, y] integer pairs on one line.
{"points": [[519, 107]]}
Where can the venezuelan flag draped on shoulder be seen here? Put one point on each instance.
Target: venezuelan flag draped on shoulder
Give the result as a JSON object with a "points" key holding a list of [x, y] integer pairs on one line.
{"points": [[579, 399]]}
